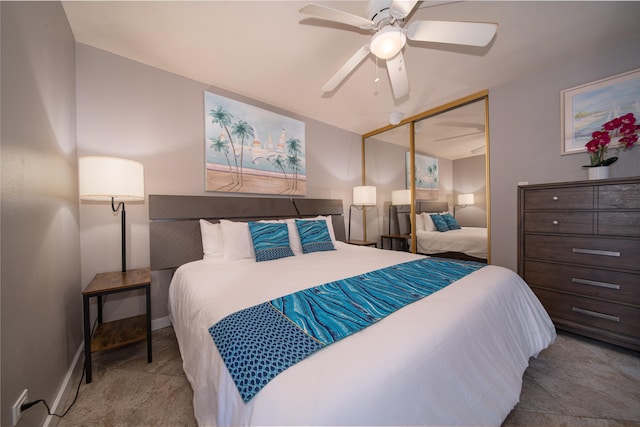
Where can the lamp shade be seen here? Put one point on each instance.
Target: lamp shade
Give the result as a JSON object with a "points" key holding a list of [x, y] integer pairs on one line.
{"points": [[364, 195], [104, 178], [401, 197], [465, 199]]}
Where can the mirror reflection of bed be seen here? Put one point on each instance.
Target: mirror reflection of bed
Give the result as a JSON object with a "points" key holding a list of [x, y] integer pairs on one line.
{"points": [[469, 242]]}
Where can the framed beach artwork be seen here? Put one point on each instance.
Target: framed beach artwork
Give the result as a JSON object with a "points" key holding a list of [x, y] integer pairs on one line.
{"points": [[586, 108], [426, 182], [252, 150]]}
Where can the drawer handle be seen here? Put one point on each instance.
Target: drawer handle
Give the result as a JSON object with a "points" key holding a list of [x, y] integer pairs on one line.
{"points": [[555, 222], [595, 283], [595, 252], [596, 314], [555, 198]]}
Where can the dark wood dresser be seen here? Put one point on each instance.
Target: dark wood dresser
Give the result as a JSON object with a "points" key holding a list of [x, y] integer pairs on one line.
{"points": [[579, 251]]}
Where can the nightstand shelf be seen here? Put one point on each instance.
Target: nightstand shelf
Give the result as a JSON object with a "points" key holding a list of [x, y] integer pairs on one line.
{"points": [[117, 333], [363, 243], [402, 238]]}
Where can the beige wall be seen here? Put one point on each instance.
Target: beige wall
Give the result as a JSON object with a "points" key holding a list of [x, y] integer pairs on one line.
{"points": [[131, 110], [469, 176], [525, 136], [41, 290]]}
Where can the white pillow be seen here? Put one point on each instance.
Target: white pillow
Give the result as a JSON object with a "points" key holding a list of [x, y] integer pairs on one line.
{"points": [[212, 243], [419, 223], [237, 240], [428, 222], [294, 236]]}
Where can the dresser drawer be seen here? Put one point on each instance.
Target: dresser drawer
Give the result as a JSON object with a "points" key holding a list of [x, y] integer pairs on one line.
{"points": [[559, 198], [619, 319], [588, 251], [593, 282], [619, 196], [619, 224], [559, 222]]}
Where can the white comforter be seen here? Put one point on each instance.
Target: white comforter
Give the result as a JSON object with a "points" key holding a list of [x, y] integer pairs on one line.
{"points": [[468, 240], [454, 358]]}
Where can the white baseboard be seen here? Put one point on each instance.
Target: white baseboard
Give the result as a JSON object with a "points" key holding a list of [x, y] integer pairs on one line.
{"points": [[78, 363], [160, 323], [63, 391]]}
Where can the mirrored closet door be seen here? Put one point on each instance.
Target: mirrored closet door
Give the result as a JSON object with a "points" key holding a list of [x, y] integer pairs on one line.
{"points": [[434, 162]]}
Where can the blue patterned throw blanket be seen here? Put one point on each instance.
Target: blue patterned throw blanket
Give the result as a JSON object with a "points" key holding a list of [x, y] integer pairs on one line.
{"points": [[260, 342]]}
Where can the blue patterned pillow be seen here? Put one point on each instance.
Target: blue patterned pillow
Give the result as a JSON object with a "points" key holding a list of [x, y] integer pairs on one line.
{"points": [[314, 236], [451, 221], [439, 222], [270, 240]]}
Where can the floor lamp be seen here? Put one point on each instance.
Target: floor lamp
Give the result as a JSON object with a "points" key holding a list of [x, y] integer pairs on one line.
{"points": [[112, 179], [363, 196], [399, 197]]}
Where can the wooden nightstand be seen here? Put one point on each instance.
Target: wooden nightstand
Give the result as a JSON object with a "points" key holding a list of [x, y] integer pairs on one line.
{"points": [[402, 238], [118, 332]]}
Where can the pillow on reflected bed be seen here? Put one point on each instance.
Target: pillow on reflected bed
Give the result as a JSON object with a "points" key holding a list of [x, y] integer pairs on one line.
{"points": [[439, 222], [452, 223]]}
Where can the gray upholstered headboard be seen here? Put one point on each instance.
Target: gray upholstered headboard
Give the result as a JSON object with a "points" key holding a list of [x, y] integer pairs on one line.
{"points": [[404, 212], [174, 228]]}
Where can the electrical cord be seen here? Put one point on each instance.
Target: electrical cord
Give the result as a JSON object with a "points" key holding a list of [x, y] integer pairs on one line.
{"points": [[28, 405]]}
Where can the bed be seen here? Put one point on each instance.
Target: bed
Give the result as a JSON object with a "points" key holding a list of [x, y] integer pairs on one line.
{"points": [[456, 242], [455, 357]]}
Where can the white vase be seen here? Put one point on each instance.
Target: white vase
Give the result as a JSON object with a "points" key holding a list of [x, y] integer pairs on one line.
{"points": [[598, 172]]}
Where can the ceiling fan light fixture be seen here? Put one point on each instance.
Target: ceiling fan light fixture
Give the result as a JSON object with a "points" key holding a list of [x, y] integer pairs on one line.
{"points": [[387, 42]]}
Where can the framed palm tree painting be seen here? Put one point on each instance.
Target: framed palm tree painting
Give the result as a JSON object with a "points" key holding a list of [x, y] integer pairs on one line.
{"points": [[252, 150], [426, 180]]}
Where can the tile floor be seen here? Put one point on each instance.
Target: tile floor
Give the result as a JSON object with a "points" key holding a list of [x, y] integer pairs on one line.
{"points": [[575, 382]]}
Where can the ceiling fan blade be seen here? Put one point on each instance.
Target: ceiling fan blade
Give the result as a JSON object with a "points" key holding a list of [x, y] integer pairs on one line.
{"points": [[398, 76], [346, 69], [401, 8], [453, 32], [324, 12]]}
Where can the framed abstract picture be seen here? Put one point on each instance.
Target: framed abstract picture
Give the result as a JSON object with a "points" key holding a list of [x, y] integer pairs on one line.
{"points": [[586, 108], [252, 150], [426, 182]]}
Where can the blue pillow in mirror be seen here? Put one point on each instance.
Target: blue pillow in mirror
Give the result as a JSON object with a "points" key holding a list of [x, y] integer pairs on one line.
{"points": [[439, 222], [451, 221]]}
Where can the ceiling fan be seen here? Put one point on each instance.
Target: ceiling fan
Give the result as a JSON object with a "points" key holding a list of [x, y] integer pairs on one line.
{"points": [[386, 20]]}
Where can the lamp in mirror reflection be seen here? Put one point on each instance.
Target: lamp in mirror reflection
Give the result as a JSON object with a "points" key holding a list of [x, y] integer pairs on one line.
{"points": [[464, 200], [112, 179], [363, 196], [398, 198]]}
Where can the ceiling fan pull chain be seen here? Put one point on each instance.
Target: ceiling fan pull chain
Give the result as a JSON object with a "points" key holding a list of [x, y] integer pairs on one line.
{"points": [[377, 79]]}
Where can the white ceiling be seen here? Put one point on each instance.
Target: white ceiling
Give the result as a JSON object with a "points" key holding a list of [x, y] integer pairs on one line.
{"points": [[268, 51], [453, 134]]}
